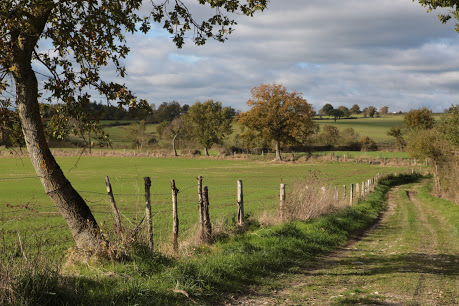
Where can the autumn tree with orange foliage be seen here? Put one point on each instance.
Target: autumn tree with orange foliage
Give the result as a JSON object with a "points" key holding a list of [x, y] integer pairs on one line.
{"points": [[278, 116]]}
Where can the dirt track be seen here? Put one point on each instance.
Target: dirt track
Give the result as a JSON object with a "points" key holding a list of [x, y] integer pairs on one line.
{"points": [[411, 257]]}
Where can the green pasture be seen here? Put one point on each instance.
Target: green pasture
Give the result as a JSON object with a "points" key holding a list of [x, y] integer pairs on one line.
{"points": [[27, 213], [375, 128], [119, 134]]}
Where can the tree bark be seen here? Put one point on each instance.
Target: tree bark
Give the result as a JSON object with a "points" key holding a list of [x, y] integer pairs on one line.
{"points": [[206, 151], [278, 151], [173, 145], [69, 203]]}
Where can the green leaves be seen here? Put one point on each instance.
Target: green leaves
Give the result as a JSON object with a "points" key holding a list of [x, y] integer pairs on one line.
{"points": [[209, 122], [434, 4]]}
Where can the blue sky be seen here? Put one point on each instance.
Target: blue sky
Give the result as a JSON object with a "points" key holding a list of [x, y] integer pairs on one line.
{"points": [[365, 52]]}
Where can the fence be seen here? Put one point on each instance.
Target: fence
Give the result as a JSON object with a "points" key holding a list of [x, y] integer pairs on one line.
{"points": [[185, 215], [352, 193]]}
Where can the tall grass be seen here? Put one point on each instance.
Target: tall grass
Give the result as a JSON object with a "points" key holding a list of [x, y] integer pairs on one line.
{"points": [[310, 199]]}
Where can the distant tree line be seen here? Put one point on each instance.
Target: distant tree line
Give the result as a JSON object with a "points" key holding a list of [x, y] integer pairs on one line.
{"points": [[344, 112]]}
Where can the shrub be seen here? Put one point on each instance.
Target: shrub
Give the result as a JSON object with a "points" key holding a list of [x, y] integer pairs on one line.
{"points": [[368, 144]]}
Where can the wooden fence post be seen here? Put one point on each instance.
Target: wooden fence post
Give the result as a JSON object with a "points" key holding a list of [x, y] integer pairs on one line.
{"points": [[240, 203], [351, 194], [116, 213], [207, 234], [175, 219], [148, 213], [344, 191], [200, 207], [363, 189], [357, 190], [282, 201], [335, 196]]}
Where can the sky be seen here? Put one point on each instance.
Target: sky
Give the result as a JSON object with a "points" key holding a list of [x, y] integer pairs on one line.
{"points": [[366, 52]]}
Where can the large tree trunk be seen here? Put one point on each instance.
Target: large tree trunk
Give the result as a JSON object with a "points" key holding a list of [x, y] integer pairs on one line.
{"points": [[69, 203], [278, 151], [206, 151]]}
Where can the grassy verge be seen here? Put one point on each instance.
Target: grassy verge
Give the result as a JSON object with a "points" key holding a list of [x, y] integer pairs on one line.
{"points": [[213, 272], [447, 209]]}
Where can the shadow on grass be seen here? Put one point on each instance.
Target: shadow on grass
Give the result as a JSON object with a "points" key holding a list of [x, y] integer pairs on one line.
{"points": [[438, 264]]}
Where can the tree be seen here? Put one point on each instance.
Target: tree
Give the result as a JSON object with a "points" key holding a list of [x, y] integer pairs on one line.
{"points": [[336, 114], [345, 111], [419, 119], [368, 144], [449, 126], [384, 110], [396, 132], [10, 129], [173, 131], [355, 109], [278, 115], [84, 36], [429, 144], [167, 111], [370, 111], [326, 109], [365, 112], [330, 135], [138, 135], [209, 123], [350, 138]]}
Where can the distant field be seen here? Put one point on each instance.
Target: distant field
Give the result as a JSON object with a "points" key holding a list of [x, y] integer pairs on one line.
{"points": [[25, 210], [375, 128]]}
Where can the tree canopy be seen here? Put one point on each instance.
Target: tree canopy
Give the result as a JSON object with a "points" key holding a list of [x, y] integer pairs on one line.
{"points": [[355, 109], [449, 126], [327, 109], [209, 123], [419, 119], [278, 115]]}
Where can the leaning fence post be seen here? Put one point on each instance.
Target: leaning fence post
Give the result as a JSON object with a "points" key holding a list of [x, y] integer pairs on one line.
{"points": [[116, 213], [240, 203], [282, 201], [175, 219], [147, 181], [207, 226]]}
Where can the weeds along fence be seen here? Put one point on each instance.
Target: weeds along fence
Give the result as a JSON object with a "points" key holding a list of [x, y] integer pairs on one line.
{"points": [[177, 218]]}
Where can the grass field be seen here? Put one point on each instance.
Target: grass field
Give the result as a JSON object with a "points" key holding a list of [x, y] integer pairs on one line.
{"points": [[375, 128], [26, 210]]}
